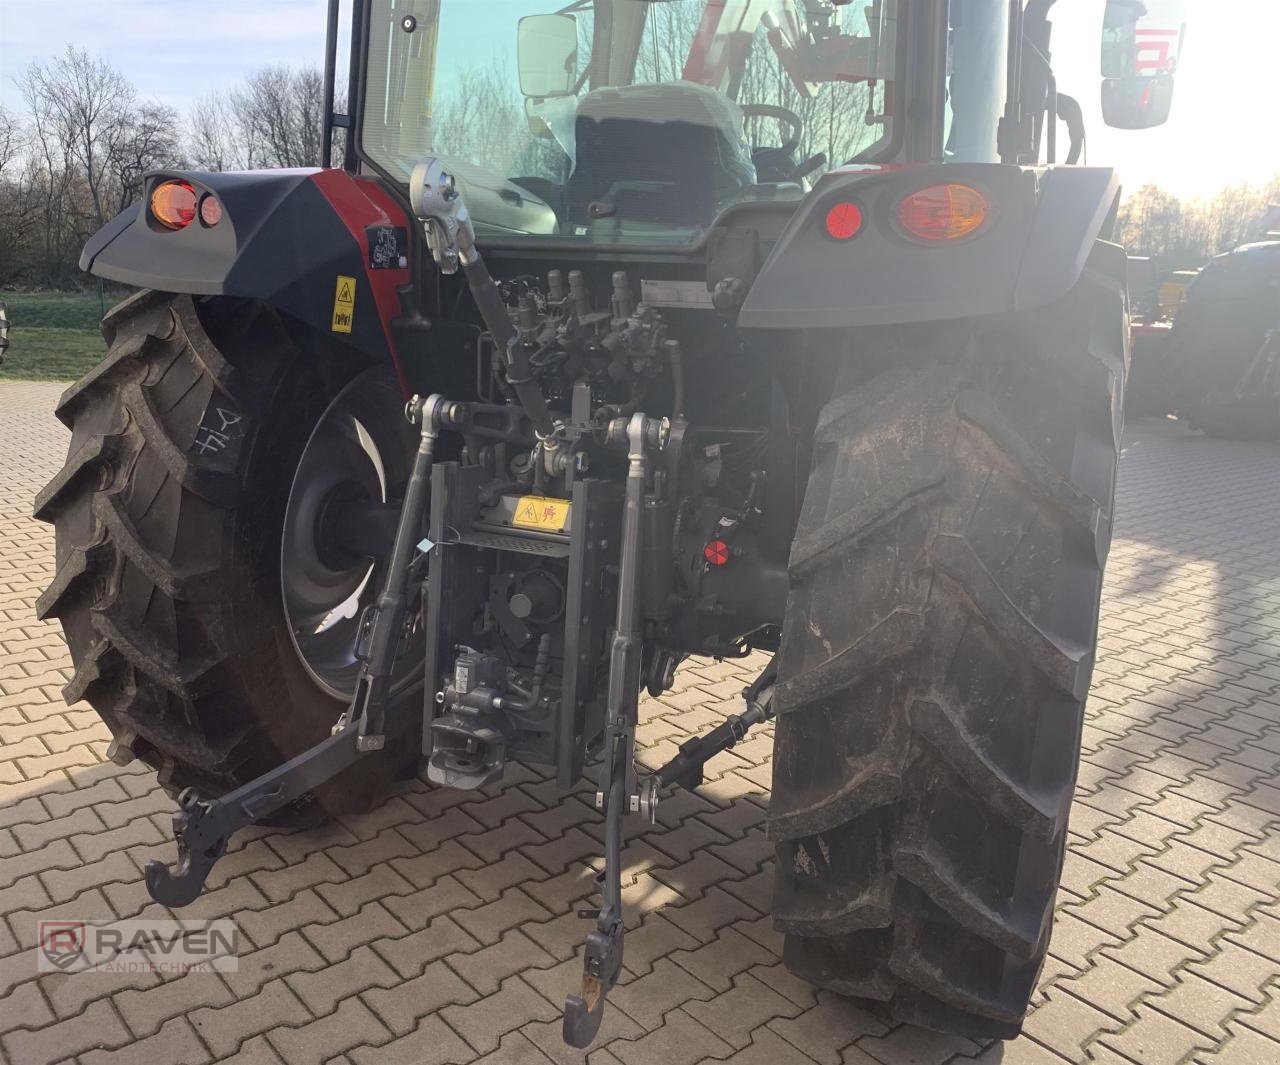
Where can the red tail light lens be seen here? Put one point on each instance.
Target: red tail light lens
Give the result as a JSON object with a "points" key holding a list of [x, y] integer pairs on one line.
{"points": [[173, 204], [944, 212], [844, 221], [716, 553]]}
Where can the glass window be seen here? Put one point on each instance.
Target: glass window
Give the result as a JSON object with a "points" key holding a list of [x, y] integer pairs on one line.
{"points": [[668, 112], [977, 76]]}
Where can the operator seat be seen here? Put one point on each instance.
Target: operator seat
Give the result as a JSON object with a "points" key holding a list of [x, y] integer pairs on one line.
{"points": [[657, 153]]}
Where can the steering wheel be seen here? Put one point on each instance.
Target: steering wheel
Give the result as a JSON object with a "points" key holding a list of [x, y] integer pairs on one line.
{"points": [[784, 115], [779, 164]]}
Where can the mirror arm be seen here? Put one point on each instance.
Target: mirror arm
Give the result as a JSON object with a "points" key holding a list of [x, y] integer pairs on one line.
{"points": [[1070, 111], [1009, 137], [1051, 120]]}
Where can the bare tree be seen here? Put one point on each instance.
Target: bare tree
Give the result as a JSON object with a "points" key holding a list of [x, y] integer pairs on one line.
{"points": [[87, 102], [50, 180], [279, 113], [214, 141], [87, 142], [1186, 233], [11, 138], [17, 218]]}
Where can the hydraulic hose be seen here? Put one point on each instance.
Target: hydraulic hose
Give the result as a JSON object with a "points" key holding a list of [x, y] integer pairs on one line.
{"points": [[519, 372]]}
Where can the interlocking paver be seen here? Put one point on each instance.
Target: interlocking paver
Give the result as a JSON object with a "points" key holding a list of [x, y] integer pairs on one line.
{"points": [[223, 1030], [432, 1043], [747, 1005], [175, 1044], [648, 999], [730, 953], [1066, 1024], [400, 1006], [441, 928], [1156, 1039], [339, 938], [318, 868], [408, 955], [98, 1026], [321, 991], [486, 969], [69, 996], [289, 954], [351, 1025], [679, 1041], [502, 1010], [25, 1007]]}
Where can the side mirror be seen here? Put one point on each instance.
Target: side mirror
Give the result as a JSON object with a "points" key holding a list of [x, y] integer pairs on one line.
{"points": [[1141, 45], [547, 55]]}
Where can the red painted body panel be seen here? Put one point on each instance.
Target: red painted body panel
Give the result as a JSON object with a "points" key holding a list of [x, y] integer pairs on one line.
{"points": [[361, 203]]}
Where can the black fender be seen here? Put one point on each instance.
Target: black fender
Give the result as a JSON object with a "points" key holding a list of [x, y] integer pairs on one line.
{"points": [[1031, 251], [302, 241]]}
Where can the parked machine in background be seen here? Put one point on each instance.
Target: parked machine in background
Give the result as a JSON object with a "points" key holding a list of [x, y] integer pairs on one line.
{"points": [[1153, 307], [733, 326], [1209, 356], [1173, 292], [1223, 358]]}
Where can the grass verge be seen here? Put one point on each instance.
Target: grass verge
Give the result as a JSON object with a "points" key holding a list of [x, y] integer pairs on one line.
{"points": [[53, 336]]}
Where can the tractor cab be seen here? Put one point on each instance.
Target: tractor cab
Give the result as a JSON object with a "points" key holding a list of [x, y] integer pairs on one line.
{"points": [[631, 121]]}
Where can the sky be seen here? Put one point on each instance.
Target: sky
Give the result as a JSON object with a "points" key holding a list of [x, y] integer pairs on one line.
{"points": [[1222, 129]]}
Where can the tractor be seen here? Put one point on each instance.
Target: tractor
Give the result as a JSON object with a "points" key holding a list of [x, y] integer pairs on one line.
{"points": [[1220, 369], [1216, 367], [623, 332]]}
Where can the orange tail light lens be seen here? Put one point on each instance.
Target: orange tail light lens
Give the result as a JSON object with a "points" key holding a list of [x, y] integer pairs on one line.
{"points": [[944, 212], [173, 204]]}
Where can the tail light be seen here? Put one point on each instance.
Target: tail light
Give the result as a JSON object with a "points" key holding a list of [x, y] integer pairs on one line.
{"points": [[173, 204], [844, 221], [716, 553], [943, 212], [210, 210]]}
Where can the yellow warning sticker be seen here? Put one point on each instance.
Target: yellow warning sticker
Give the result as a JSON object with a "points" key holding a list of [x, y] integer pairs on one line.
{"points": [[344, 304], [542, 512]]}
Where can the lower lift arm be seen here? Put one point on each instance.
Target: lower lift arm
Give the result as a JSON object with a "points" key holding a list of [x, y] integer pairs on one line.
{"points": [[202, 827]]}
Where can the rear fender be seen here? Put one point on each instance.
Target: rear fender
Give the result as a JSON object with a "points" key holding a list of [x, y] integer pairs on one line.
{"points": [[1031, 252], [296, 239]]}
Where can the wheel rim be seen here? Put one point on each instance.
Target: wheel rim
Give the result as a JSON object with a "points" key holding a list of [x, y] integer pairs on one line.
{"points": [[355, 460]]}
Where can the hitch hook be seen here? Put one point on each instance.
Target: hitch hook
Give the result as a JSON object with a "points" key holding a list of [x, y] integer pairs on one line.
{"points": [[199, 846]]}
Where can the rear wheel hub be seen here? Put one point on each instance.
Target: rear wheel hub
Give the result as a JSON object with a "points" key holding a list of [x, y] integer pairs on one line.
{"points": [[339, 521]]}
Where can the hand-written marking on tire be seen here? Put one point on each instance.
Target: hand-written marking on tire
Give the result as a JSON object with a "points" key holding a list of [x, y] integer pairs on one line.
{"points": [[210, 440]]}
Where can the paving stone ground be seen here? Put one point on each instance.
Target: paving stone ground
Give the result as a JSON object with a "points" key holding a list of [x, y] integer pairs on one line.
{"points": [[441, 928]]}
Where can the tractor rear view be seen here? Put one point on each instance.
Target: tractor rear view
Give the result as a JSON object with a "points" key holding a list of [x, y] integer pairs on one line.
{"points": [[1219, 369], [704, 327]]}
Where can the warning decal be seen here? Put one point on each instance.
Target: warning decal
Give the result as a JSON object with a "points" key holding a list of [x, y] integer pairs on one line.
{"points": [[541, 512], [344, 304]]}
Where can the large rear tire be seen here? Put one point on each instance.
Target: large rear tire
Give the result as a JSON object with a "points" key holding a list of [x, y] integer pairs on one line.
{"points": [[937, 651], [169, 516]]}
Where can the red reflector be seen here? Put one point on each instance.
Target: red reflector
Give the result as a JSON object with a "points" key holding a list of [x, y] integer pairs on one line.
{"points": [[210, 211], [943, 212], [844, 221], [716, 552], [173, 204]]}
